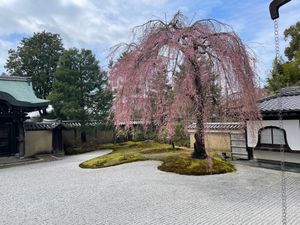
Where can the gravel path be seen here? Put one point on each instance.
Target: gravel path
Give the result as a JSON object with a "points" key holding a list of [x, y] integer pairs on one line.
{"points": [[61, 193]]}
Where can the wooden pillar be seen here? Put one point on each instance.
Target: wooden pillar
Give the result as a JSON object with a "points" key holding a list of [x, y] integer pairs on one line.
{"points": [[14, 138], [21, 139]]}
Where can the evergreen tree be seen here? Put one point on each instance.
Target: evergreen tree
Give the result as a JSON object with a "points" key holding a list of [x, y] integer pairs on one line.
{"points": [[36, 57], [292, 33], [80, 88], [287, 73]]}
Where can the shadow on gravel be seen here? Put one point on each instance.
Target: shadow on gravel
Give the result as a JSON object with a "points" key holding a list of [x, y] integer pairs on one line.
{"points": [[269, 164]]}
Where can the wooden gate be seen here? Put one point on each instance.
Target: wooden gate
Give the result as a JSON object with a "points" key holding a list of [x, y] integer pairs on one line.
{"points": [[238, 145], [57, 139], [4, 140], [8, 141]]}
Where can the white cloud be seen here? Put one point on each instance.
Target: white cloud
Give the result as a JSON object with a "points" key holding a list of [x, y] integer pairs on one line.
{"points": [[251, 20], [4, 45], [99, 25], [81, 23], [289, 15]]}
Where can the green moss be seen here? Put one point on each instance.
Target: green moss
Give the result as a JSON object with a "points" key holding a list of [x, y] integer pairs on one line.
{"points": [[112, 159], [80, 150], [173, 160], [189, 166], [107, 146], [163, 149]]}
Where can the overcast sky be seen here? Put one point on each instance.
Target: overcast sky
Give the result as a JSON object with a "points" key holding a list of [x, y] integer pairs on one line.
{"points": [[100, 24]]}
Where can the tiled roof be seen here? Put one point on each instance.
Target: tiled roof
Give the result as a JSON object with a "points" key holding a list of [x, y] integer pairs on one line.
{"points": [[18, 92], [288, 99], [50, 124], [39, 126], [219, 126], [15, 78], [72, 124], [133, 122]]}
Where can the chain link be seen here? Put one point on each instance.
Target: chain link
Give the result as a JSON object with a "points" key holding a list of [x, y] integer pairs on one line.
{"points": [[277, 50], [280, 117]]}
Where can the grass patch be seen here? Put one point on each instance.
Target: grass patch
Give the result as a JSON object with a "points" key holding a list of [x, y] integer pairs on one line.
{"points": [[173, 160]]}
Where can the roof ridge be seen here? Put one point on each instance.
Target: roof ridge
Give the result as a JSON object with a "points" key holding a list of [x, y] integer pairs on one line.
{"points": [[15, 78], [283, 92]]}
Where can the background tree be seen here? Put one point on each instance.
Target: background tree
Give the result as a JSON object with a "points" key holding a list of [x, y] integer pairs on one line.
{"points": [[276, 79], [284, 74], [36, 57], [292, 33], [80, 88], [198, 50], [287, 73]]}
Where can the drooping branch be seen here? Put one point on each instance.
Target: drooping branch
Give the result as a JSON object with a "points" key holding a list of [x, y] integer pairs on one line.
{"points": [[169, 69]]}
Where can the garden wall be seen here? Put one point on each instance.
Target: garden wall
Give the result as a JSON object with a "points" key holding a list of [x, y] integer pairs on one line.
{"points": [[37, 142], [94, 135], [43, 140], [214, 141], [218, 142], [71, 137]]}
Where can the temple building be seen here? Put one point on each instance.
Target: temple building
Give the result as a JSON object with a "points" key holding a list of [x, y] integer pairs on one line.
{"points": [[266, 137], [17, 99]]}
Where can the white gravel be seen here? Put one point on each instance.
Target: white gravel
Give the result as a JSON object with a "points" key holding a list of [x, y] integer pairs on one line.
{"points": [[61, 193]]}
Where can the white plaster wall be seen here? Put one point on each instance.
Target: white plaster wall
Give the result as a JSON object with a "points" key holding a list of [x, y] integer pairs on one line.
{"points": [[291, 128]]}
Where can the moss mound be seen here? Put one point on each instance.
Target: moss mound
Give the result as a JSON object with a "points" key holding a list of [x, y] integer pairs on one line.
{"points": [[112, 159], [173, 160], [188, 166]]}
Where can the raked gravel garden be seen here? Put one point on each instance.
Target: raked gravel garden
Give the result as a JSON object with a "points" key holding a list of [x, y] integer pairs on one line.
{"points": [[62, 193]]}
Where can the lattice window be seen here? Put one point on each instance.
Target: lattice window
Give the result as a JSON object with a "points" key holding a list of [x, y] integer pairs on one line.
{"points": [[272, 136]]}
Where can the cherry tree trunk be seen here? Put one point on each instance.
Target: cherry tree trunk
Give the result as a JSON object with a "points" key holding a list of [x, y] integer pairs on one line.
{"points": [[199, 145]]}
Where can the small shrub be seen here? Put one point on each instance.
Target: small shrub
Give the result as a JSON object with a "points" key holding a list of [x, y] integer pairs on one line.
{"points": [[181, 138], [140, 137]]}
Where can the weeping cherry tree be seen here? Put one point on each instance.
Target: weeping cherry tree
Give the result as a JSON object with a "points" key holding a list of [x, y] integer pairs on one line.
{"points": [[169, 72]]}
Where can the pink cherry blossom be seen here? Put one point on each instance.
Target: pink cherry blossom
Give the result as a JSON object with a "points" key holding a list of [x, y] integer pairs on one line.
{"points": [[167, 71]]}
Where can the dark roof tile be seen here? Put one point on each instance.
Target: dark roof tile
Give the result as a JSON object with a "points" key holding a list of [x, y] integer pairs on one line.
{"points": [[49, 125], [287, 99], [219, 126]]}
